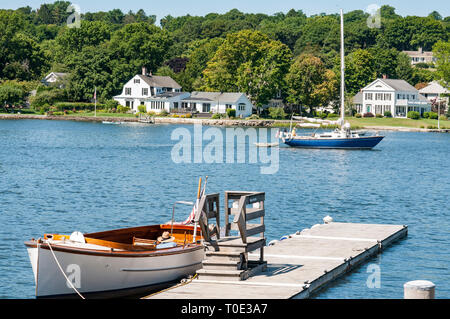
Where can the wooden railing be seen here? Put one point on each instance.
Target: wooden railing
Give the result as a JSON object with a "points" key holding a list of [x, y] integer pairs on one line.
{"points": [[243, 214], [209, 207]]}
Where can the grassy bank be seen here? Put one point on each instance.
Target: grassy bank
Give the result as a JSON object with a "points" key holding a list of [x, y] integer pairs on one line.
{"points": [[396, 122]]}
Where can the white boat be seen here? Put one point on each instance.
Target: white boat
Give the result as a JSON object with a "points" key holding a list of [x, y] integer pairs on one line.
{"points": [[117, 262], [113, 263], [112, 123], [267, 144]]}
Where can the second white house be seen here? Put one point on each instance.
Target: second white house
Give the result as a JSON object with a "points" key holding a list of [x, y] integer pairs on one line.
{"points": [[388, 95]]}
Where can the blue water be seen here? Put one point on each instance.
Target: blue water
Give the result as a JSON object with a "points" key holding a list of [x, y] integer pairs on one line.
{"points": [[66, 176]]}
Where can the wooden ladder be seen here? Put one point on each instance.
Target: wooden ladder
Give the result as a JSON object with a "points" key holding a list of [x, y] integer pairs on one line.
{"points": [[227, 257]]}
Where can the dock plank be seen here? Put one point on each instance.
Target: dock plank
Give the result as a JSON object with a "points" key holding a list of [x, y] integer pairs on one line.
{"points": [[300, 265]]}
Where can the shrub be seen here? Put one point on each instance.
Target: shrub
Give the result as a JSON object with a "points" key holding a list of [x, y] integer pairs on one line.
{"points": [[188, 116], [77, 106], [443, 118], [253, 117], [368, 115], [142, 109], [358, 116], [433, 116], [388, 114], [413, 115], [426, 115], [321, 115], [216, 116], [123, 109], [332, 116], [379, 116], [111, 104], [277, 113], [47, 97], [231, 113]]}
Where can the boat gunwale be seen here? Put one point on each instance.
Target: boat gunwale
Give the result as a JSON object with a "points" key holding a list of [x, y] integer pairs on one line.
{"points": [[305, 137], [119, 254]]}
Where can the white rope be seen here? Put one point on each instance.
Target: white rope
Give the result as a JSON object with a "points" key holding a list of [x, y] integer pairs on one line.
{"points": [[62, 271]]}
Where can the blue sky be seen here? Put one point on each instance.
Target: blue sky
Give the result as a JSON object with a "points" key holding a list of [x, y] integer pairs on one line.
{"points": [[201, 7]]}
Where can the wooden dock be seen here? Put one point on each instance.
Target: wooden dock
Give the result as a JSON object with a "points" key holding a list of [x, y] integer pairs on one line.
{"points": [[298, 266]]}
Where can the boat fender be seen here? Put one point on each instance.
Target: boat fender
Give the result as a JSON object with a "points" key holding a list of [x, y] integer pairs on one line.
{"points": [[77, 237], [328, 220], [284, 238], [273, 242]]}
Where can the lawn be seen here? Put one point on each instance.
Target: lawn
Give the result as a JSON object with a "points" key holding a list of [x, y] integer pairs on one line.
{"points": [[395, 122]]}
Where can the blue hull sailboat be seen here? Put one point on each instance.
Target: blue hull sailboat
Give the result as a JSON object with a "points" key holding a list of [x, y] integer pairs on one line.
{"points": [[343, 138]]}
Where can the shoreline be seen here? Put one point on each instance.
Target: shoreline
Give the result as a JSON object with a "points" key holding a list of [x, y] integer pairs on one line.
{"points": [[207, 122]]}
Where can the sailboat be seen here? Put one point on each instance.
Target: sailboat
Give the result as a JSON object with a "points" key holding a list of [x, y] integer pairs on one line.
{"points": [[341, 138]]}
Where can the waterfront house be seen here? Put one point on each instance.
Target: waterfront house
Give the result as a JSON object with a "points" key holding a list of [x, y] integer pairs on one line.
{"points": [[55, 78], [200, 102], [436, 94], [396, 96], [420, 56], [144, 86]]}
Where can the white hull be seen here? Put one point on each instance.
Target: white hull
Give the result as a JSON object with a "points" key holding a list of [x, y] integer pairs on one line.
{"points": [[100, 274]]}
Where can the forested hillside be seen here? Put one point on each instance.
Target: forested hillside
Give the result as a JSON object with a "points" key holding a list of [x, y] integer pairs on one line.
{"points": [[257, 54]]}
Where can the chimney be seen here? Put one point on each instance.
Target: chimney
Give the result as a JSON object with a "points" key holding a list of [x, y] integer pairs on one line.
{"points": [[384, 76], [420, 50], [144, 70]]}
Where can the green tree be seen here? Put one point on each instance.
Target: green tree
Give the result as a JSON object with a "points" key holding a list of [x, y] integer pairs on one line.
{"points": [[250, 62], [360, 70], [441, 52], [12, 94], [141, 44], [309, 83]]}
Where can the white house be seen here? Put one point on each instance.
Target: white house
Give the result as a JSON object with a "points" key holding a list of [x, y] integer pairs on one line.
{"points": [[54, 78], [143, 86], [420, 56], [202, 102], [436, 94], [396, 96]]}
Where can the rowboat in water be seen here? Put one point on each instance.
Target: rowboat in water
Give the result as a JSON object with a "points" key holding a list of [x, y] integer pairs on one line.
{"points": [[116, 263]]}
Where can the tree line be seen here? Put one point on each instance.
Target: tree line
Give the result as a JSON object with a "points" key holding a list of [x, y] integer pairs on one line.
{"points": [[258, 54]]}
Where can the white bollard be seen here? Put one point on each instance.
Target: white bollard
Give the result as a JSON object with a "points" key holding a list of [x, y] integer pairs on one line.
{"points": [[419, 289]]}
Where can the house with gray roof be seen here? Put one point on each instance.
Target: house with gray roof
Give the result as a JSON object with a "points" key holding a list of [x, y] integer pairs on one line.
{"points": [[201, 102], [143, 86], [437, 95], [389, 95]]}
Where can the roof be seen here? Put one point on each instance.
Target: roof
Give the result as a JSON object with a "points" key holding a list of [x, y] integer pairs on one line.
{"points": [[160, 81], [418, 53], [215, 96], [434, 88], [423, 98], [167, 95], [358, 98], [399, 85], [57, 74]]}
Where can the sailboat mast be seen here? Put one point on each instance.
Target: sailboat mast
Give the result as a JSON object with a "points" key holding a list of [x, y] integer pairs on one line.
{"points": [[342, 70]]}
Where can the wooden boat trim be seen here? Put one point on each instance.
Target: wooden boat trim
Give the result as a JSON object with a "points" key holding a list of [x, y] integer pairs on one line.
{"points": [[119, 254], [159, 269]]}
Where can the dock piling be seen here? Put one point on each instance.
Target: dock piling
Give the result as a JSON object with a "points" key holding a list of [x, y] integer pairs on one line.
{"points": [[419, 289]]}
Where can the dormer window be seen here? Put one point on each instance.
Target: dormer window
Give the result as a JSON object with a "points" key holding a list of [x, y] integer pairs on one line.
{"points": [[137, 81]]}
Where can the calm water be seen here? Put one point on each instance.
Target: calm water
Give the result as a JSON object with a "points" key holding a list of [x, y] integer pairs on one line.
{"points": [[67, 176]]}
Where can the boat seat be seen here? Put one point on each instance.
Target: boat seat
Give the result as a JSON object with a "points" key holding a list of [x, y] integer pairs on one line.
{"points": [[147, 243]]}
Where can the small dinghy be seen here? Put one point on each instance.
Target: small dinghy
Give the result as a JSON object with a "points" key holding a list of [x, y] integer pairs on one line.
{"points": [[267, 144], [117, 263], [112, 123]]}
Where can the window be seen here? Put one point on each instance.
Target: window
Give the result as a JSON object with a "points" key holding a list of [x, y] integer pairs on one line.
{"points": [[241, 107], [127, 103], [127, 91], [228, 106], [175, 105], [137, 81], [387, 97], [369, 96], [144, 91], [206, 107], [379, 96]]}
